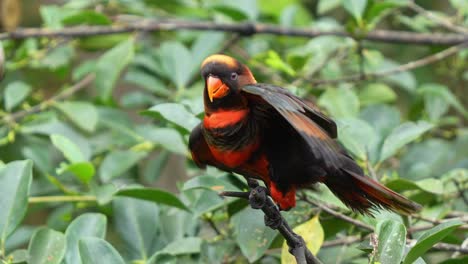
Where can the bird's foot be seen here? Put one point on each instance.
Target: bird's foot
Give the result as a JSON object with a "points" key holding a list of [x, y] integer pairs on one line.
{"points": [[275, 221], [258, 197]]}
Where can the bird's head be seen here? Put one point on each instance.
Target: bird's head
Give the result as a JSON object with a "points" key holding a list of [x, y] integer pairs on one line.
{"points": [[224, 76]]}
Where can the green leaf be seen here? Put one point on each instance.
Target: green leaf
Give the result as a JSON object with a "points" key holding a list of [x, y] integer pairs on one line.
{"points": [[147, 81], [391, 237], [83, 114], [430, 238], [210, 182], [153, 195], [383, 118], [15, 93], [57, 57], [313, 235], [274, 61], [168, 138], [86, 17], [118, 162], [402, 135], [84, 171], [341, 102], [437, 97], [187, 245], [327, 5], [97, 250], [69, 149], [206, 44], [355, 8], [252, 236], [376, 93], [131, 220], [357, 136], [110, 65], [85, 225], [47, 246], [175, 113], [15, 182], [430, 185], [176, 61]]}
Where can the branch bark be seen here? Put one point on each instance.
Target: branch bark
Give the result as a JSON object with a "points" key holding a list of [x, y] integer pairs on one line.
{"points": [[388, 36], [258, 200]]}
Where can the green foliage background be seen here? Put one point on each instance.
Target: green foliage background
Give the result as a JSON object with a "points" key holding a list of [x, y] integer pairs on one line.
{"points": [[94, 165]]}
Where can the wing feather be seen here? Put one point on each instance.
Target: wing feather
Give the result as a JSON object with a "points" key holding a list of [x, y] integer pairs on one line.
{"points": [[302, 117]]}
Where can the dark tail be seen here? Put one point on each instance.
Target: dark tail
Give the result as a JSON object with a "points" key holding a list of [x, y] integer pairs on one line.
{"points": [[363, 194]]}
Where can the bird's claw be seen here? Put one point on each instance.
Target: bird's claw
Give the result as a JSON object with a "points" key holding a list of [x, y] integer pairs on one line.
{"points": [[273, 222], [257, 197]]}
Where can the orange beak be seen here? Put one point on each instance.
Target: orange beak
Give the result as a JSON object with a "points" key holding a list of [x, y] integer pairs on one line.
{"points": [[216, 88]]}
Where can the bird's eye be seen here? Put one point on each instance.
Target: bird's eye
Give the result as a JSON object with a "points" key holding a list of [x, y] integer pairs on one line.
{"points": [[234, 76]]}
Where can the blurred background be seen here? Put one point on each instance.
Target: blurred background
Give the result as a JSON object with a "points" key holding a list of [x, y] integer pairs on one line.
{"points": [[102, 95]]}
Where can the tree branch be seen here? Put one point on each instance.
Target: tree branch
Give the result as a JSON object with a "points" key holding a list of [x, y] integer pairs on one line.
{"points": [[398, 37], [258, 200], [436, 18], [405, 67], [14, 117]]}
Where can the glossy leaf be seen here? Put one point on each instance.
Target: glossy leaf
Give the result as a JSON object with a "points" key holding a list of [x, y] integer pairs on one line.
{"points": [[82, 114], [376, 93], [69, 149], [137, 224], [176, 61], [84, 171], [429, 238], [47, 246], [391, 236], [175, 113], [15, 93], [358, 137], [340, 103], [109, 66], [118, 162], [97, 250], [15, 182], [153, 195], [167, 138], [85, 225], [402, 135], [355, 8], [313, 235], [253, 238]]}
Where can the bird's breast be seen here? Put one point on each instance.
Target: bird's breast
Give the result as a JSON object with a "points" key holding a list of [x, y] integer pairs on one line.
{"points": [[231, 136]]}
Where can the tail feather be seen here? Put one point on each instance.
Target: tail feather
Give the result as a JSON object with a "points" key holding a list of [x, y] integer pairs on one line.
{"points": [[364, 194]]}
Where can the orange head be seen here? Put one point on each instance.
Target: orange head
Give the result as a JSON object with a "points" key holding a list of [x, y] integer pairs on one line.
{"points": [[224, 76]]}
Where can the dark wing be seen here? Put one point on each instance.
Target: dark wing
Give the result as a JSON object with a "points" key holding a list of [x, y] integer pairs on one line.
{"points": [[201, 154], [313, 126]]}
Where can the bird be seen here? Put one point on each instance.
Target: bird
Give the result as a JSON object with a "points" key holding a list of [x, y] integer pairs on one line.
{"points": [[265, 132]]}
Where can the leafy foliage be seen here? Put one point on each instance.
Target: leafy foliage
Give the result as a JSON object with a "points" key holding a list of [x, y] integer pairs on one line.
{"points": [[94, 165]]}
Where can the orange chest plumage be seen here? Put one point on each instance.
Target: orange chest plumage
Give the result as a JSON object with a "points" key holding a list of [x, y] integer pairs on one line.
{"points": [[222, 123]]}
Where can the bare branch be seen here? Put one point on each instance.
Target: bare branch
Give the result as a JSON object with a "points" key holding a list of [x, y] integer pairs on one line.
{"points": [[405, 67], [337, 214], [438, 19], [14, 117], [401, 37]]}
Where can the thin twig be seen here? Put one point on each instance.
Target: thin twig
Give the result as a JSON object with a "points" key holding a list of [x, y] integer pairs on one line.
{"points": [[405, 67], [14, 117], [336, 214], [401, 37], [436, 18], [295, 242], [342, 241], [62, 198]]}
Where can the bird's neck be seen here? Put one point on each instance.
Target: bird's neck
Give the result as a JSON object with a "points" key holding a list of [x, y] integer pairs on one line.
{"points": [[222, 118]]}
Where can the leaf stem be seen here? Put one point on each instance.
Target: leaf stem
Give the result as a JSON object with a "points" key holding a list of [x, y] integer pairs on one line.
{"points": [[62, 198]]}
